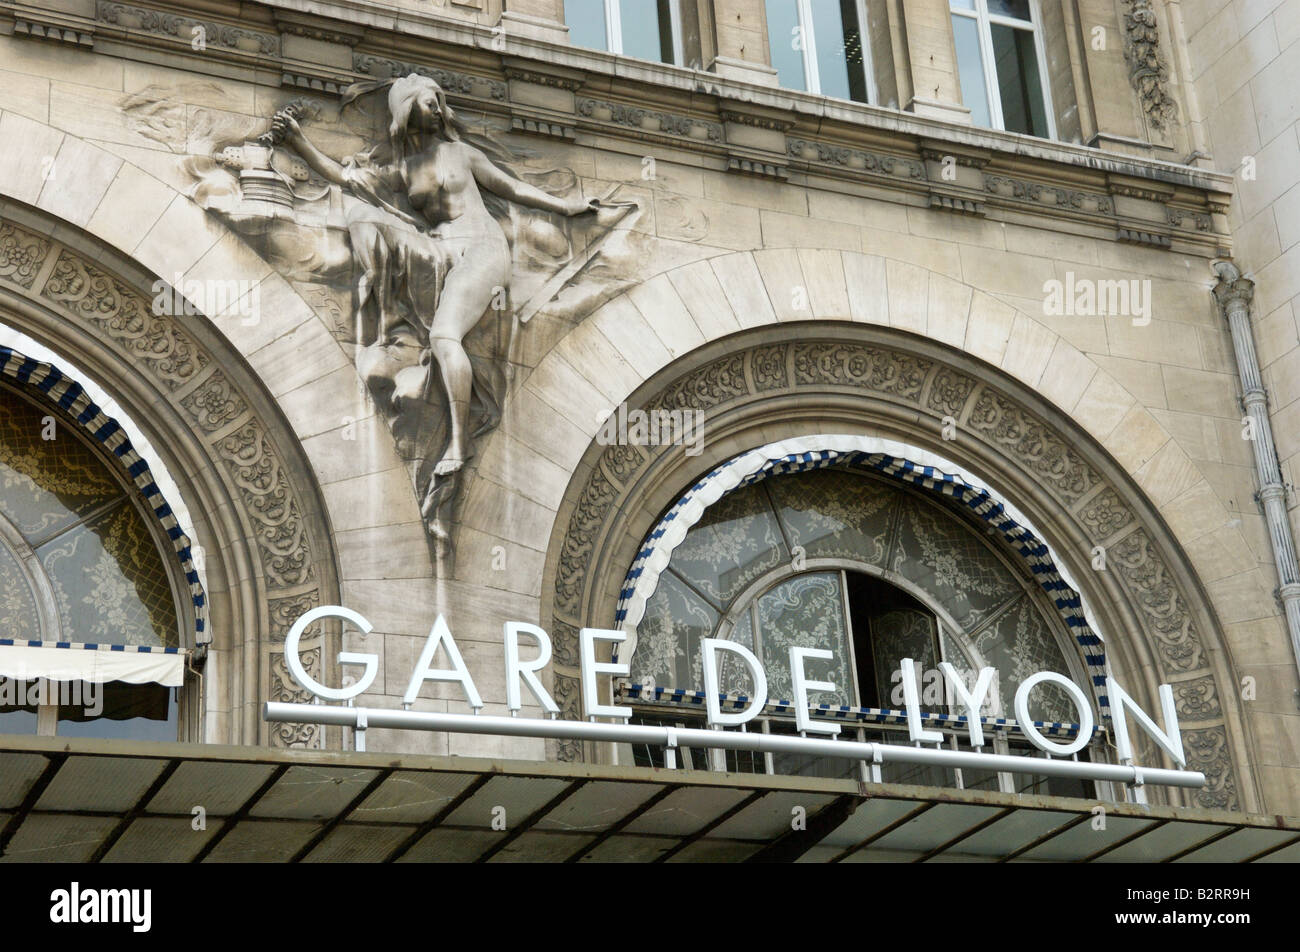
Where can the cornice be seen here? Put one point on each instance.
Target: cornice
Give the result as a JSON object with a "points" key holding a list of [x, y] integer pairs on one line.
{"points": [[545, 88], [372, 66], [150, 22]]}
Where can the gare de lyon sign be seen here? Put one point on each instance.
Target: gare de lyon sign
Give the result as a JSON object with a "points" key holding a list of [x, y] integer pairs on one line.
{"points": [[525, 672]]}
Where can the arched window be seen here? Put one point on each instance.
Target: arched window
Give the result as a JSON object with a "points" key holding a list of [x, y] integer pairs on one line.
{"points": [[875, 570], [90, 617]]}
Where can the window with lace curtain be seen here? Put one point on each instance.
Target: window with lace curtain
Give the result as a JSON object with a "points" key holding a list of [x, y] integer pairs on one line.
{"points": [[874, 571], [79, 563]]}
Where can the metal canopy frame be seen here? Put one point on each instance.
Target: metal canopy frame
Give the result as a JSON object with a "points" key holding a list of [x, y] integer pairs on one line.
{"points": [[110, 801]]}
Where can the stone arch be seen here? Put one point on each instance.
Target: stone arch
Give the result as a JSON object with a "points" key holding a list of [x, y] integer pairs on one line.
{"points": [[258, 512], [135, 223], [1046, 427], [51, 388]]}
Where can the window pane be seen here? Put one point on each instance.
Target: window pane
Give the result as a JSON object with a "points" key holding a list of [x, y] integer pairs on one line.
{"points": [[18, 702], [110, 583], [785, 41], [1019, 86], [1010, 8], [807, 611], [970, 65], [647, 29], [668, 637], [839, 49], [961, 4], [737, 540], [118, 710], [586, 22]]}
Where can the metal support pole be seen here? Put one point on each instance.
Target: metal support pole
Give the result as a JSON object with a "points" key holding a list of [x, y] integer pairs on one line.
{"points": [[686, 737]]}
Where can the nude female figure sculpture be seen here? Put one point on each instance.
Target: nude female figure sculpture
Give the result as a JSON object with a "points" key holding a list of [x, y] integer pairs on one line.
{"points": [[450, 261]]}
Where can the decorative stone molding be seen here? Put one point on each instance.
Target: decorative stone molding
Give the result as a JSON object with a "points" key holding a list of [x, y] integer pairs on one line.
{"points": [[182, 29], [90, 293], [1148, 71], [316, 84], [740, 163], [1179, 217], [1146, 192], [462, 84], [285, 611], [541, 127], [317, 30], [21, 254], [798, 369], [845, 157], [649, 120], [45, 30], [257, 471], [540, 77], [285, 689], [1103, 515], [214, 405], [1207, 751], [1197, 699], [955, 203], [1038, 193], [970, 160], [162, 349], [1133, 236], [757, 120], [1178, 644]]}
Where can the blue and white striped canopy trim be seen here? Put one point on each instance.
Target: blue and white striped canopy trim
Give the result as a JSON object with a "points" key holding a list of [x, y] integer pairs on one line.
{"points": [[70, 397], [676, 697], [891, 459], [25, 659]]}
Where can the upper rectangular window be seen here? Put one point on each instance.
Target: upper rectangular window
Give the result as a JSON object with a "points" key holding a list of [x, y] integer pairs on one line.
{"points": [[820, 46], [647, 29], [1001, 65]]}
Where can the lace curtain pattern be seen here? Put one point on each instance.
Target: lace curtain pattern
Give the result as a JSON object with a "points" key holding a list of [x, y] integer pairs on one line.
{"points": [[725, 580]]}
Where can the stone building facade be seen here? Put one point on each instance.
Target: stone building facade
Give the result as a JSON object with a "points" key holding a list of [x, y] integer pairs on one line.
{"points": [[1032, 284]]}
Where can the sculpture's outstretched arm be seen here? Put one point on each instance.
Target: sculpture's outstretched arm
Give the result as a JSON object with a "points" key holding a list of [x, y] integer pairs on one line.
{"points": [[285, 128], [499, 183]]}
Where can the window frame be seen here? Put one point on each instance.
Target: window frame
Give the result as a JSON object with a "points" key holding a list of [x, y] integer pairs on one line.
{"points": [[185, 695], [984, 21], [811, 71], [614, 31]]}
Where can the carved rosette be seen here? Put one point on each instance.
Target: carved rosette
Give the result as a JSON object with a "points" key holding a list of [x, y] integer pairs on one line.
{"points": [[935, 390], [21, 254]]}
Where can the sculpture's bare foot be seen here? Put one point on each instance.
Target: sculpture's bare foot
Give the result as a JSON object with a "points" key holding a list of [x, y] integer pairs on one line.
{"points": [[447, 465]]}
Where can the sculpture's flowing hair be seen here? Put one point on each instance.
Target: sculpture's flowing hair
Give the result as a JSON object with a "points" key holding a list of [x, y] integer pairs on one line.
{"points": [[404, 141]]}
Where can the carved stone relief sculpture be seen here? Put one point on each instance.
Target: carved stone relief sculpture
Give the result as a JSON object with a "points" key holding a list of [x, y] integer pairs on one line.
{"points": [[1147, 69], [445, 249]]}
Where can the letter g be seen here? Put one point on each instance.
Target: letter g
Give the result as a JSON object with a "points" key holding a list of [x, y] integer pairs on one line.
{"points": [[345, 657]]}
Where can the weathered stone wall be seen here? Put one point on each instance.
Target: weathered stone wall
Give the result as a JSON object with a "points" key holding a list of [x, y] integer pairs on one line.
{"points": [[1245, 62], [761, 208]]}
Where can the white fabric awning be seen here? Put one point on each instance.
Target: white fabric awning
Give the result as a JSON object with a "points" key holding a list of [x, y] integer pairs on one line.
{"points": [[72, 661]]}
